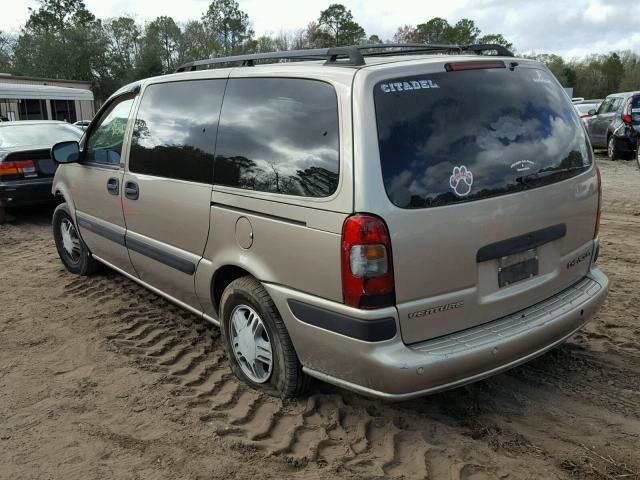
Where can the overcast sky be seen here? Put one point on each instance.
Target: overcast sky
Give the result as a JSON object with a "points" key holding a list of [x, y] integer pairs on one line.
{"points": [[571, 28]]}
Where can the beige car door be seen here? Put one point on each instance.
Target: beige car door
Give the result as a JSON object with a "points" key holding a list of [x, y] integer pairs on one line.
{"points": [[96, 185], [168, 181]]}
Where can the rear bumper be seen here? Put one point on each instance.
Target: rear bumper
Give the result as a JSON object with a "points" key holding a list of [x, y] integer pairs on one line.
{"points": [[20, 193], [392, 370]]}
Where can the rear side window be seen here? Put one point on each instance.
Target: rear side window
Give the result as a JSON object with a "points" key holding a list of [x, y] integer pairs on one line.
{"points": [[279, 135], [459, 136], [174, 133], [617, 104]]}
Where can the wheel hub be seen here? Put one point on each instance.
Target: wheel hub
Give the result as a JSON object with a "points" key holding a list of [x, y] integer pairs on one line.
{"points": [[251, 344]]}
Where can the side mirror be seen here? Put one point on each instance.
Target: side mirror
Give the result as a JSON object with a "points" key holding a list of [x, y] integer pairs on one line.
{"points": [[66, 152], [592, 112]]}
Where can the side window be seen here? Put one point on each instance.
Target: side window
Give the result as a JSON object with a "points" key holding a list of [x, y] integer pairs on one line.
{"points": [[617, 103], [279, 135], [105, 143], [174, 133], [604, 106]]}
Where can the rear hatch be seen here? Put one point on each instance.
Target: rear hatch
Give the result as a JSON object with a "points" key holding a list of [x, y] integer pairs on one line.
{"points": [[493, 190]]}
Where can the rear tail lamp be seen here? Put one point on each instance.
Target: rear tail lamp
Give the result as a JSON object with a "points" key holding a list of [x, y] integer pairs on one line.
{"points": [[626, 111], [597, 229], [25, 168], [367, 266], [476, 65]]}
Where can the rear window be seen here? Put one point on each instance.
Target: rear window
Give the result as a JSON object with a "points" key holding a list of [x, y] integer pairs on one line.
{"points": [[459, 136], [37, 134]]}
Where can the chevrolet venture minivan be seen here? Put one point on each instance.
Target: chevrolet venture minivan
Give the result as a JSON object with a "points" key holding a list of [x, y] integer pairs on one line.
{"points": [[395, 220]]}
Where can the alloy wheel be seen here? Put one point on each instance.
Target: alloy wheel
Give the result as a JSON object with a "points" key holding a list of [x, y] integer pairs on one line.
{"points": [[251, 344], [70, 240]]}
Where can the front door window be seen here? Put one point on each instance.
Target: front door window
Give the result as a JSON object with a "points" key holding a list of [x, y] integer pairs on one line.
{"points": [[104, 146]]}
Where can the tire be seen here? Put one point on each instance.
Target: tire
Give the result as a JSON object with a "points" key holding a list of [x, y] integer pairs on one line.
{"points": [[3, 215], [243, 300], [638, 154], [79, 260], [612, 151]]}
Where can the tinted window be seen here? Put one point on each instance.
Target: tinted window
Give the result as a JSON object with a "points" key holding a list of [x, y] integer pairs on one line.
{"points": [[635, 109], [105, 143], [174, 134], [279, 135], [464, 135], [35, 134]]}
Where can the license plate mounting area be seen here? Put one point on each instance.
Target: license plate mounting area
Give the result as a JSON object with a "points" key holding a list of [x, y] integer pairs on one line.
{"points": [[517, 267]]}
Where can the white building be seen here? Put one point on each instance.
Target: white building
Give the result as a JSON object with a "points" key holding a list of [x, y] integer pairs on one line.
{"points": [[32, 98]]}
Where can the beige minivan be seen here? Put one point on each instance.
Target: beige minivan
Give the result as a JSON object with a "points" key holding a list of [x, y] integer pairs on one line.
{"points": [[396, 220]]}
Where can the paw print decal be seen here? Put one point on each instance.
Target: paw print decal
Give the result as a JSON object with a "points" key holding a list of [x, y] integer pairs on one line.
{"points": [[461, 180]]}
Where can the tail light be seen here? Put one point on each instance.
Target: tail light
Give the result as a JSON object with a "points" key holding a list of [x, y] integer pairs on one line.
{"points": [[21, 168], [597, 229], [626, 111], [367, 266]]}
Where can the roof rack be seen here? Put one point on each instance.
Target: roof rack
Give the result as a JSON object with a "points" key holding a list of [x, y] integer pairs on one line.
{"points": [[332, 55], [351, 56]]}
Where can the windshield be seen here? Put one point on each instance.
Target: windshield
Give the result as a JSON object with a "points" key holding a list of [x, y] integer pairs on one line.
{"points": [[465, 135], [37, 134]]}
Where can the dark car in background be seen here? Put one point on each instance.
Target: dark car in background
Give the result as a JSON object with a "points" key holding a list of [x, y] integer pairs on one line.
{"points": [[26, 167], [616, 125]]}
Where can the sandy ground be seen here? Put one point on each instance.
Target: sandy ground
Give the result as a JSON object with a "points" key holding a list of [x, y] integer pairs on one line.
{"points": [[101, 379]]}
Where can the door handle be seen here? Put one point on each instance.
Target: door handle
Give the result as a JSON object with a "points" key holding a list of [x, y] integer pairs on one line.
{"points": [[113, 186], [131, 190]]}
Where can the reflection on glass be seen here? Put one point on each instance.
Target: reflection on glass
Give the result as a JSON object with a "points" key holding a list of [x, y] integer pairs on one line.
{"points": [[175, 130], [280, 136], [505, 127], [105, 143]]}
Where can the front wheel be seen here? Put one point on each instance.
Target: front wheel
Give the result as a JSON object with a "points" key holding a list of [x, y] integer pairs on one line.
{"points": [[256, 340], [638, 154], [73, 252]]}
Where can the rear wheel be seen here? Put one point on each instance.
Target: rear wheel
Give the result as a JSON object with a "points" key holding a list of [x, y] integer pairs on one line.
{"points": [[3, 214], [256, 340], [638, 154], [72, 250], [612, 150]]}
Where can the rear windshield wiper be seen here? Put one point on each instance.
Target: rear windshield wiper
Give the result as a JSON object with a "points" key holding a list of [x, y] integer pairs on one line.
{"points": [[532, 177]]}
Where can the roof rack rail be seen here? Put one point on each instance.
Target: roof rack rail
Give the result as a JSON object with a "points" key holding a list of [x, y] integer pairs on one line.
{"points": [[334, 55], [352, 56], [388, 49]]}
